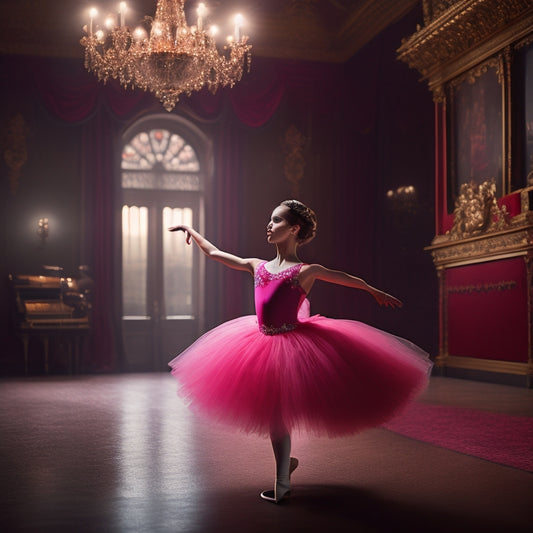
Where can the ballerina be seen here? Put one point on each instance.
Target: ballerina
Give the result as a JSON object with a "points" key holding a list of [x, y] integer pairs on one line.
{"points": [[283, 370]]}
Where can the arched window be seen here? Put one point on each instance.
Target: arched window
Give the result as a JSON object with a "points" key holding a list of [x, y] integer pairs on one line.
{"points": [[159, 159], [164, 168]]}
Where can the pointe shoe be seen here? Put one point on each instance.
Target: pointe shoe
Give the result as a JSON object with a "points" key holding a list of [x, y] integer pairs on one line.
{"points": [[282, 490], [269, 495]]}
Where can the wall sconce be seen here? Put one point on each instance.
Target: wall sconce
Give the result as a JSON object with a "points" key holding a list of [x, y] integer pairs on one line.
{"points": [[403, 199], [405, 191], [42, 229]]}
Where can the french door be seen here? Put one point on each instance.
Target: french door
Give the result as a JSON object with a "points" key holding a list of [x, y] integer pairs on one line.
{"points": [[161, 301]]}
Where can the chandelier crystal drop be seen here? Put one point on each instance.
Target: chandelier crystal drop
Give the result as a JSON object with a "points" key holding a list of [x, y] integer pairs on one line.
{"points": [[165, 56]]}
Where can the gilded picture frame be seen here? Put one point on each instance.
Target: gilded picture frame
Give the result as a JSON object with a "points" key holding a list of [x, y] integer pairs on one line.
{"points": [[476, 132], [523, 114]]}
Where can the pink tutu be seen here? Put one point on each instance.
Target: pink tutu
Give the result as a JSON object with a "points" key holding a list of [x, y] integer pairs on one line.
{"points": [[322, 375]]}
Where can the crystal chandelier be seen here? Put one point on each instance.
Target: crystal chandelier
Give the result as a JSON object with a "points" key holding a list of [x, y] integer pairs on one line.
{"points": [[168, 59]]}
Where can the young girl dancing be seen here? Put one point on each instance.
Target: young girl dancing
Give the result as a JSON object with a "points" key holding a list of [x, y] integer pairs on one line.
{"points": [[281, 369]]}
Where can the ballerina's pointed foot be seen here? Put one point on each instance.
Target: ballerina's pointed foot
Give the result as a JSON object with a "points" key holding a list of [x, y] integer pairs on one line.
{"points": [[293, 464], [280, 493], [269, 496], [282, 489]]}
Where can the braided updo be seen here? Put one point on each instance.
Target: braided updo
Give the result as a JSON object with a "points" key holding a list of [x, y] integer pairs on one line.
{"points": [[301, 215]]}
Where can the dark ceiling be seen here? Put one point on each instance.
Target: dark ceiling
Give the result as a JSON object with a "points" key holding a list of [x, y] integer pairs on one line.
{"points": [[318, 30]]}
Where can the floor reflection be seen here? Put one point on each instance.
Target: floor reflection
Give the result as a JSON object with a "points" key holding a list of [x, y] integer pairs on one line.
{"points": [[124, 454]]}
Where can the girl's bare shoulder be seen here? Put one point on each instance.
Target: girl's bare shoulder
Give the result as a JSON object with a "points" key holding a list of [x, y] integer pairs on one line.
{"points": [[312, 269]]}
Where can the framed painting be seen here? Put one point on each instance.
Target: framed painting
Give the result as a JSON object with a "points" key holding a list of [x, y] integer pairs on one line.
{"points": [[522, 102], [475, 129]]}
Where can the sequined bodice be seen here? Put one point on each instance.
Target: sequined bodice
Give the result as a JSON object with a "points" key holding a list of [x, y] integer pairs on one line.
{"points": [[278, 298]]}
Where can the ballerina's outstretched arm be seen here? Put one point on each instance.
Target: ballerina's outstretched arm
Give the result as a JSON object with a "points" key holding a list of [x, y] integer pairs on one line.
{"points": [[211, 251], [310, 273]]}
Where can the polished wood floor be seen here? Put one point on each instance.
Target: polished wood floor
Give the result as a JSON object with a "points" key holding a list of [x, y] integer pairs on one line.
{"points": [[121, 453]]}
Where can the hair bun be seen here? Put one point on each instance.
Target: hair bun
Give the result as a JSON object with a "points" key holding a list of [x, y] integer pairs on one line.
{"points": [[303, 216]]}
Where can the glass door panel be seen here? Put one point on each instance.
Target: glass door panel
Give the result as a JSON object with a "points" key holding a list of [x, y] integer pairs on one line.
{"points": [[160, 279], [177, 265], [134, 262]]}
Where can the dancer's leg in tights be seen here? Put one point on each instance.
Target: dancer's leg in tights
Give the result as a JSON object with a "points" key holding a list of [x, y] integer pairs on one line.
{"points": [[285, 464]]}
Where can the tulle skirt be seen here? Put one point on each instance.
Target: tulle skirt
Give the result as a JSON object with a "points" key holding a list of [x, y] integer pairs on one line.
{"points": [[328, 376]]}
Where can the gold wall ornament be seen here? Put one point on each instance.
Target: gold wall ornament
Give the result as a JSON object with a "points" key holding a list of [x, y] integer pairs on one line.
{"points": [[294, 165], [168, 58], [477, 211], [16, 150]]}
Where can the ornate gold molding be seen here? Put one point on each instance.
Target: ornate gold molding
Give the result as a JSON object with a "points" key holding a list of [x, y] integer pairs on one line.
{"points": [[469, 251], [513, 241], [454, 28], [473, 74]]}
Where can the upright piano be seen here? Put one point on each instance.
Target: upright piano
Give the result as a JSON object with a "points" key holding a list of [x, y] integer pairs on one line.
{"points": [[50, 307]]}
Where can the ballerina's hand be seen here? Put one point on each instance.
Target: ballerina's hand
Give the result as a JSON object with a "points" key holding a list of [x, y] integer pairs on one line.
{"points": [[387, 300], [184, 229]]}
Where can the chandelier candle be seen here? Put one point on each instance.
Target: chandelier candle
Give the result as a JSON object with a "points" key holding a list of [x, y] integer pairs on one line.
{"points": [[201, 12], [238, 23], [122, 13], [93, 13], [166, 57]]}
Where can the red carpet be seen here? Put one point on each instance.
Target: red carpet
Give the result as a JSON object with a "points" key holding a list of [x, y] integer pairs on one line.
{"points": [[503, 439]]}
